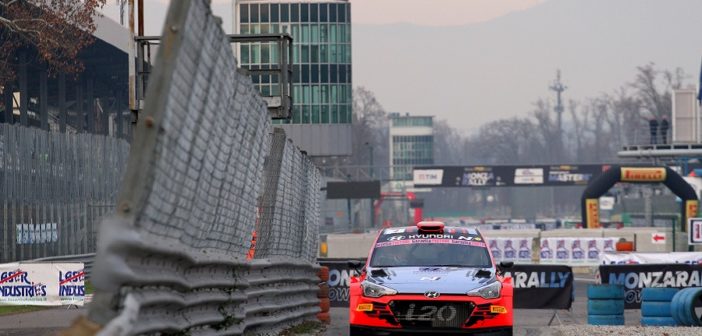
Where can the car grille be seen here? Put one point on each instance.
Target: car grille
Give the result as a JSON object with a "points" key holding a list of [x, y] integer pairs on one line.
{"points": [[431, 314]]}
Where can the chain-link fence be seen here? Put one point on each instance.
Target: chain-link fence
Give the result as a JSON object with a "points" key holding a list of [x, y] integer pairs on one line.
{"points": [[54, 188], [174, 257]]}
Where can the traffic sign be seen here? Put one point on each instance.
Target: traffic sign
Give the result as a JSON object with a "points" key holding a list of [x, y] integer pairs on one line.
{"points": [[694, 231], [657, 238]]}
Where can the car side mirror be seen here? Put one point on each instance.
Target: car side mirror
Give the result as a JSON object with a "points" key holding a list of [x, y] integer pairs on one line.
{"points": [[356, 265], [503, 265], [506, 264]]}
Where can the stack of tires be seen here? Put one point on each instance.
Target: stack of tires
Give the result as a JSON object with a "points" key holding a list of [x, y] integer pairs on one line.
{"points": [[323, 295], [656, 306], [682, 307], [605, 305]]}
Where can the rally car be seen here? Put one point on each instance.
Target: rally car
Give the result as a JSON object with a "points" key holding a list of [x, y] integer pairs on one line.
{"points": [[430, 279]]}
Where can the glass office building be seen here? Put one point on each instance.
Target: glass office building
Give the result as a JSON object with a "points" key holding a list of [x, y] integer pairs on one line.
{"points": [[411, 144], [321, 30]]}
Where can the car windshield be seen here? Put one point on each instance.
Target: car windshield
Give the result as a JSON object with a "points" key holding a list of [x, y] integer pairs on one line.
{"points": [[430, 254]]}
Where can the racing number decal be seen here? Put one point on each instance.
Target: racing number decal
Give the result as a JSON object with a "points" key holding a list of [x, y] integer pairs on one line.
{"points": [[427, 313]]}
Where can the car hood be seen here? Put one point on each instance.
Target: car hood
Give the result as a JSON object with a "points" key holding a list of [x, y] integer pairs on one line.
{"points": [[418, 280]]}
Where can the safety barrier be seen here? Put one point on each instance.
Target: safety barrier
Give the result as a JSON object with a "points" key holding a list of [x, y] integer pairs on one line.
{"points": [[173, 259], [656, 306], [605, 304]]}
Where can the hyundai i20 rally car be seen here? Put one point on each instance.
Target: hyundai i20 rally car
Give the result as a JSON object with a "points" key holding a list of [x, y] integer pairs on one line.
{"points": [[430, 279]]}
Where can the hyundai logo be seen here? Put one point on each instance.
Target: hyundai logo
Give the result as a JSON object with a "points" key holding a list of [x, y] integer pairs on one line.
{"points": [[432, 294]]}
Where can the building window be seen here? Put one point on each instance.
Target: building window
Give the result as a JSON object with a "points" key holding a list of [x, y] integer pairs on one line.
{"points": [[284, 12], [244, 13], [305, 12], [295, 13]]}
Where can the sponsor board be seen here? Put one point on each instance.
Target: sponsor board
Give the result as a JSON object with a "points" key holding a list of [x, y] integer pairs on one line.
{"points": [[428, 176], [643, 174], [529, 176], [607, 203], [691, 208], [44, 284], [593, 213], [510, 249], [636, 277], [694, 231], [575, 251], [541, 286], [658, 238], [613, 258]]}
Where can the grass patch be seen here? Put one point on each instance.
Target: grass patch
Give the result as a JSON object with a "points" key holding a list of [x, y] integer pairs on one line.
{"points": [[309, 327], [89, 289], [9, 310]]}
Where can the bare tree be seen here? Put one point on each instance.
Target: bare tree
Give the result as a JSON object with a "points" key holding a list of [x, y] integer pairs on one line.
{"points": [[653, 89], [56, 30]]}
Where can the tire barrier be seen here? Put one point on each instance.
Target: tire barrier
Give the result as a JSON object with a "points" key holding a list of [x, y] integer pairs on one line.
{"points": [[323, 273], [605, 305], [655, 306], [682, 307]]}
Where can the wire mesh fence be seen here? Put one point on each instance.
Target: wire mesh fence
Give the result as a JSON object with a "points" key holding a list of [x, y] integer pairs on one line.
{"points": [[173, 259], [290, 205], [54, 188]]}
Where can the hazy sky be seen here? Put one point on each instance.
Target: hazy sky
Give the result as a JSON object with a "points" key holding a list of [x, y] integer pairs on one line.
{"points": [[474, 61], [419, 12]]}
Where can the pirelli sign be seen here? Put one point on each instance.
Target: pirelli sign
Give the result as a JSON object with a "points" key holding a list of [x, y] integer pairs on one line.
{"points": [[593, 213], [643, 174]]}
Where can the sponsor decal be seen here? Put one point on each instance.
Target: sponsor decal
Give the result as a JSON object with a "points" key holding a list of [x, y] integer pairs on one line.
{"points": [[430, 241], [593, 213], [18, 285], [428, 176], [643, 174]]}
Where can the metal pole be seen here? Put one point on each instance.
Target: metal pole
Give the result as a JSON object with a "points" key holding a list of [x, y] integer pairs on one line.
{"points": [[348, 205], [132, 65], [372, 176], [674, 225]]}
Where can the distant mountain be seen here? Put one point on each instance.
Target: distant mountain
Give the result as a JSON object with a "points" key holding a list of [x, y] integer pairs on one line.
{"points": [[481, 72]]}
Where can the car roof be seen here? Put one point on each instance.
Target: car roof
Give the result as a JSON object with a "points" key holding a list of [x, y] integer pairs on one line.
{"points": [[447, 230]]}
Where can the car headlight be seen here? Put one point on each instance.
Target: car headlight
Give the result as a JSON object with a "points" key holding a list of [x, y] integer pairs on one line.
{"points": [[375, 291], [491, 291]]}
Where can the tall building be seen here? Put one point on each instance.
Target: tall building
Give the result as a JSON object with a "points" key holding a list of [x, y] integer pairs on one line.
{"points": [[322, 89], [411, 144]]}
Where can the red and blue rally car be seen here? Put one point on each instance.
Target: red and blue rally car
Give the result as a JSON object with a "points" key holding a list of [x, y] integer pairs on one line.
{"points": [[430, 279]]}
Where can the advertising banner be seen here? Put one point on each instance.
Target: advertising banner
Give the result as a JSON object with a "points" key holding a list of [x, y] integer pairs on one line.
{"points": [[542, 286], [505, 176], [44, 284], [612, 258], [636, 277], [574, 251], [510, 249], [535, 286]]}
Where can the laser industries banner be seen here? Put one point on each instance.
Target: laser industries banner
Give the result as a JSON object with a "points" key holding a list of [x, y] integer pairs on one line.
{"points": [[45, 284]]}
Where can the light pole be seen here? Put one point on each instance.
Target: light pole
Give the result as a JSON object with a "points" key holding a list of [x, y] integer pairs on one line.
{"points": [[371, 173]]}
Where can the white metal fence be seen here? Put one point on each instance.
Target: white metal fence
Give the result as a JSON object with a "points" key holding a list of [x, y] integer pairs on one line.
{"points": [[173, 259]]}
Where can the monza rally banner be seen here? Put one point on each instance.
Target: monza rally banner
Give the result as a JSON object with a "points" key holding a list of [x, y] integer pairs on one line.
{"points": [[42, 284], [636, 277], [575, 251], [535, 286]]}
